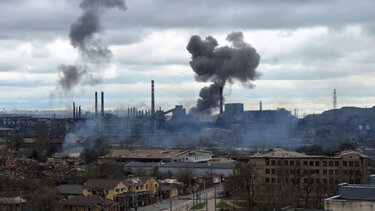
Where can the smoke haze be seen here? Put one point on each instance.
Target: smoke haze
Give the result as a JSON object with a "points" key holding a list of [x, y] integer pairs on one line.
{"points": [[84, 36], [220, 65]]}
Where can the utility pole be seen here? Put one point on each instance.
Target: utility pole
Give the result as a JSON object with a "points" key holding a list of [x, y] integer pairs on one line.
{"points": [[215, 196], [205, 193]]}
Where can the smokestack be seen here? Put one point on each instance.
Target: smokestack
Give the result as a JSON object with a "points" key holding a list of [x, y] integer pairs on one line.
{"points": [[102, 104], [260, 106], [74, 110], [334, 99], [221, 100], [79, 112], [96, 104], [152, 98]]}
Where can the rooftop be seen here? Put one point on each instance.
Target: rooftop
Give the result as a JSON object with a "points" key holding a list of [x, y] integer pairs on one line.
{"points": [[278, 152], [69, 189], [102, 183], [147, 153]]}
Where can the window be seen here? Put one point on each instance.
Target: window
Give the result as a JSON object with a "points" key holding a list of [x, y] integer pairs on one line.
{"points": [[345, 172], [317, 163], [344, 163], [272, 171], [137, 188], [285, 162], [267, 162], [324, 163], [305, 163], [146, 187], [330, 172], [273, 180], [297, 163], [337, 172], [279, 162], [291, 171], [357, 163], [325, 181], [330, 163], [324, 171], [117, 190], [267, 180], [292, 162], [337, 163], [123, 189], [311, 163], [273, 162], [267, 171], [312, 171], [305, 180], [317, 181], [305, 172], [350, 163]]}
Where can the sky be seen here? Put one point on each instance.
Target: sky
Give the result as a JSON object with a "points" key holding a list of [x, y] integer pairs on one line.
{"points": [[307, 49]]}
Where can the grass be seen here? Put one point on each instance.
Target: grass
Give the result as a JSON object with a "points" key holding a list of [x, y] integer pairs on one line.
{"points": [[198, 206], [222, 205]]}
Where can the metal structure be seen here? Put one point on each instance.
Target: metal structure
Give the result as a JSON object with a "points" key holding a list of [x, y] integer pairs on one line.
{"points": [[152, 99], [102, 112], [96, 104]]}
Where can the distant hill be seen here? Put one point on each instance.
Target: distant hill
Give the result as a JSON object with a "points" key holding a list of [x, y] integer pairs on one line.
{"points": [[345, 116]]}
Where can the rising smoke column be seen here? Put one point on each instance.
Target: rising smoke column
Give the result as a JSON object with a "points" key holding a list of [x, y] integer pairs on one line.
{"points": [[220, 65], [83, 36]]}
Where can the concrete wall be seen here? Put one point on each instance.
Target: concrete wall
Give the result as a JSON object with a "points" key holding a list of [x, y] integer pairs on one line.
{"points": [[343, 205]]}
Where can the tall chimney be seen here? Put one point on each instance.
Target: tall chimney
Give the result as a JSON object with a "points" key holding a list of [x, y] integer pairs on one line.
{"points": [[74, 110], [221, 100], [79, 112], [152, 99], [102, 104], [96, 104], [260, 106]]}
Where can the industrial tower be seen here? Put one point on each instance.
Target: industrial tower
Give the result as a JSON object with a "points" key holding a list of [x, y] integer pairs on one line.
{"points": [[334, 99]]}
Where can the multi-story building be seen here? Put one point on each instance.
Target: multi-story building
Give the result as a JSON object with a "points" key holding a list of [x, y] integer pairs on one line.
{"points": [[306, 176], [278, 165]]}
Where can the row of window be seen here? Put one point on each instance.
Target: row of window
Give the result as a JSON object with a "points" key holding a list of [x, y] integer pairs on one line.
{"points": [[311, 171], [310, 163], [308, 180]]}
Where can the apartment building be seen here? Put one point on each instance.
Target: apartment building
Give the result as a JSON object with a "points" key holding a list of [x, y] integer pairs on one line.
{"points": [[279, 166]]}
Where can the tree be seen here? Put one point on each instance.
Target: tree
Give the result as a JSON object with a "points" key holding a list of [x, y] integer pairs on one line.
{"points": [[13, 141]]}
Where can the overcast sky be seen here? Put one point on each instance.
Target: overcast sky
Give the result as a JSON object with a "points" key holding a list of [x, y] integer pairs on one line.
{"points": [[307, 49]]}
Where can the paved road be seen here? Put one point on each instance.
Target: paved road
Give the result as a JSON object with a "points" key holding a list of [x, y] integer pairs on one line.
{"points": [[181, 203]]}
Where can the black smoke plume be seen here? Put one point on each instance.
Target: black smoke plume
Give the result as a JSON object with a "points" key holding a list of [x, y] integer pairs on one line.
{"points": [[220, 65], [83, 36]]}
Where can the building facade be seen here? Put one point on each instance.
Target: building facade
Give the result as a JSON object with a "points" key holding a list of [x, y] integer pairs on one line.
{"points": [[277, 173]]}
